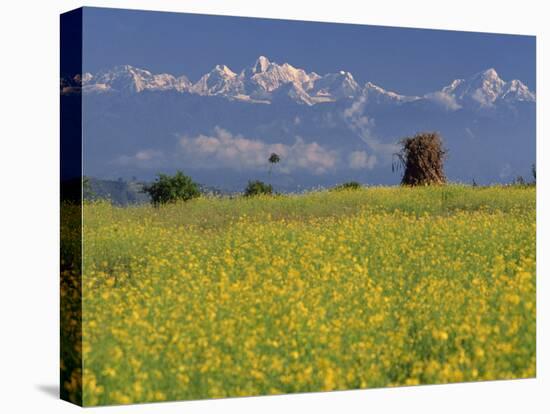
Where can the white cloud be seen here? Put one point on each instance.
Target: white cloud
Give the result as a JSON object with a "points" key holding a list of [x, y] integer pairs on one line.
{"points": [[359, 160], [355, 113], [147, 155], [482, 98], [146, 158], [444, 99], [362, 125], [224, 149]]}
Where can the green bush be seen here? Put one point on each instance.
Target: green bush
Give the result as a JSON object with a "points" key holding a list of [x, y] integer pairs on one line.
{"points": [[350, 185], [169, 189], [257, 187]]}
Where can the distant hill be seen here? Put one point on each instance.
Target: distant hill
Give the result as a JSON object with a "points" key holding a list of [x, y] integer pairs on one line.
{"points": [[124, 193], [119, 192]]}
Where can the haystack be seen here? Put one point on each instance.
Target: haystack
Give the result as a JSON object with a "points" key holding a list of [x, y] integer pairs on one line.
{"points": [[422, 157]]}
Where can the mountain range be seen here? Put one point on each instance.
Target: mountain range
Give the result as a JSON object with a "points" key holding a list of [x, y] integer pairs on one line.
{"points": [[328, 128], [266, 81]]}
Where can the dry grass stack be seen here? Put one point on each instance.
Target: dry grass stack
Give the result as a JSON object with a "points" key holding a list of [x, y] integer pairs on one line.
{"points": [[422, 157]]}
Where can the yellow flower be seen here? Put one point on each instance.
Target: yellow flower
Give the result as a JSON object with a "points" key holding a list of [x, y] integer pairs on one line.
{"points": [[320, 291]]}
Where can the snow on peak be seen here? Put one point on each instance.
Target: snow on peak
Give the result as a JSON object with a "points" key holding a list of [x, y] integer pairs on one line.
{"points": [[490, 73], [452, 86], [262, 81], [219, 81], [127, 78], [261, 65], [336, 86], [295, 92], [484, 89], [515, 90], [223, 69], [372, 87], [379, 95], [85, 78], [265, 76]]}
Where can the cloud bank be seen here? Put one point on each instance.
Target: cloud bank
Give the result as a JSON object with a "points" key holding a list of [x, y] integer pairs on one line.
{"points": [[445, 100], [359, 160], [362, 125], [224, 149]]}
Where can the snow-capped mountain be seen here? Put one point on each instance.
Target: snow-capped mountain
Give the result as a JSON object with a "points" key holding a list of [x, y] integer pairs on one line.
{"points": [[266, 76], [219, 81], [486, 89], [377, 95], [139, 123], [295, 92], [334, 86], [265, 82], [515, 90], [126, 78]]}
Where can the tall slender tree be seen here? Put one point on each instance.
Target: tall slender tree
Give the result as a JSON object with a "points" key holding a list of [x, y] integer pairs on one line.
{"points": [[273, 159]]}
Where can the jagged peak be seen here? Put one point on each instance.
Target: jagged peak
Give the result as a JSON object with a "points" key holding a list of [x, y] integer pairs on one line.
{"points": [[490, 73], [261, 64], [288, 67], [265, 77], [128, 68], [485, 88], [223, 69], [487, 76], [84, 78], [119, 68], [517, 84], [346, 74], [370, 85], [516, 89], [394, 96]]}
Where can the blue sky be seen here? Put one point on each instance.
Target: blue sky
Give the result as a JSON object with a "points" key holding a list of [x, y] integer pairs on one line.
{"points": [[411, 61]]}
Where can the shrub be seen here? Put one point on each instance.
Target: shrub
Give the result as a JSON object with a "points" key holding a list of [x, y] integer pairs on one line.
{"points": [[256, 188], [422, 158], [350, 185], [519, 181], [168, 189]]}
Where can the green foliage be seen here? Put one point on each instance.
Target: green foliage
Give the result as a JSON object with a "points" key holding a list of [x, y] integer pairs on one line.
{"points": [[350, 185], [519, 181], [169, 189], [257, 187], [274, 158]]}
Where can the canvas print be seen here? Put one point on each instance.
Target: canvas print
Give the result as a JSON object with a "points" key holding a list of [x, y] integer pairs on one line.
{"points": [[258, 206]]}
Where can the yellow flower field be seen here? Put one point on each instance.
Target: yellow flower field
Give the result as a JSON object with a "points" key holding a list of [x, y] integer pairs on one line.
{"points": [[321, 291]]}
